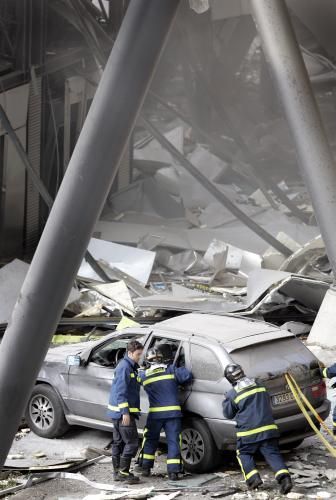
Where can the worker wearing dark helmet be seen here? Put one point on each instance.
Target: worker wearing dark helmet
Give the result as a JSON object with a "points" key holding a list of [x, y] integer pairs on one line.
{"points": [[161, 381], [249, 404]]}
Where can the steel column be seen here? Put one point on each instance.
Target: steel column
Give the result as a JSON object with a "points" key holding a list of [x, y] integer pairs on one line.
{"points": [[291, 78], [79, 202]]}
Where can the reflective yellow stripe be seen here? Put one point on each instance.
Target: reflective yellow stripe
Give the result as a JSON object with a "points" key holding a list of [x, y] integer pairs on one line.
{"points": [[173, 461], [150, 372], [123, 405], [165, 408], [139, 380], [249, 393], [156, 379], [132, 375], [241, 465], [256, 431], [243, 388], [113, 408], [124, 473], [334, 424], [250, 474], [324, 373], [281, 471], [149, 457]]}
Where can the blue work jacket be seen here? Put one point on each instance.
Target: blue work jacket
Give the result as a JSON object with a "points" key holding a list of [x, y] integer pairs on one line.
{"points": [[329, 372], [125, 390], [250, 407], [161, 385]]}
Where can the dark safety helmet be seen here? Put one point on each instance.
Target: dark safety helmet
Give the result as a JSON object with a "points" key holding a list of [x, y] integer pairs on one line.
{"points": [[153, 355], [162, 353], [165, 352], [233, 373]]}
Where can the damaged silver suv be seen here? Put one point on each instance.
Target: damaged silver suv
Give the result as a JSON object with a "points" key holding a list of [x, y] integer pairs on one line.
{"points": [[74, 383]]}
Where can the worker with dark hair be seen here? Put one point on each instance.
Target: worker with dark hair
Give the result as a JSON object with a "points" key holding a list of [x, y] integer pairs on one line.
{"points": [[161, 381], [331, 373], [249, 404], [124, 409]]}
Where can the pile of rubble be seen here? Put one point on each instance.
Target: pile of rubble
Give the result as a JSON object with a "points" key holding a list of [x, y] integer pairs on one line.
{"points": [[165, 245]]}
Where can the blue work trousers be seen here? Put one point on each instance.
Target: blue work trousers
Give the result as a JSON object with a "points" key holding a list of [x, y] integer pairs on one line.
{"points": [[172, 428], [269, 448]]}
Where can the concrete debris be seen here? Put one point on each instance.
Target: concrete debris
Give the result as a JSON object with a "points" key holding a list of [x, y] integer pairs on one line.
{"points": [[141, 493], [195, 481], [170, 496], [136, 262], [294, 496]]}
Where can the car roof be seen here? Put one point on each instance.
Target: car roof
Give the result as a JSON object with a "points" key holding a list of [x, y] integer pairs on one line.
{"points": [[221, 328]]}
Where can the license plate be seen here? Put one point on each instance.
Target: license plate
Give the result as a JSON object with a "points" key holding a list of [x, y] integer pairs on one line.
{"points": [[281, 399]]}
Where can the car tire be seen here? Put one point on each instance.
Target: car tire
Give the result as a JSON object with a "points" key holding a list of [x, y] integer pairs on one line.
{"points": [[44, 414], [198, 449]]}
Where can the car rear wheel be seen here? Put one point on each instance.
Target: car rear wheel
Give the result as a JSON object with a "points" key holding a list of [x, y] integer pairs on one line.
{"points": [[44, 414], [198, 449]]}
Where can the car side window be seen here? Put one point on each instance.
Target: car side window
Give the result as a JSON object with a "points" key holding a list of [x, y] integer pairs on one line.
{"points": [[205, 365], [110, 353]]}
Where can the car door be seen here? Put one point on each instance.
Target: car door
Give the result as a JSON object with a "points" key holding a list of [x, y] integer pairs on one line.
{"points": [[90, 385], [209, 384]]}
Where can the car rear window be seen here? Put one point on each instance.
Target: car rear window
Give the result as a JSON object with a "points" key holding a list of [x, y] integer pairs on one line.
{"points": [[272, 357], [205, 365]]}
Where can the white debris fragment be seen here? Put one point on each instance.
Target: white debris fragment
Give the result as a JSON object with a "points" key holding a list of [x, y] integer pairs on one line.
{"points": [[294, 495], [320, 494]]}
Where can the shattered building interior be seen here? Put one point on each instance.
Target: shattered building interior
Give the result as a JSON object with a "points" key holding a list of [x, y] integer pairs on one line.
{"points": [[212, 114], [151, 169]]}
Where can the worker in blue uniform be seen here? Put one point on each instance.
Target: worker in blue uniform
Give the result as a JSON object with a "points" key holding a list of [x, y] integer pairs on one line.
{"points": [[124, 409], [248, 403], [161, 381], [331, 373]]}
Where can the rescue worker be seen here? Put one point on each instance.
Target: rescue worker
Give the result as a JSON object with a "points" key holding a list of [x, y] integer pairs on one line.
{"points": [[124, 409], [249, 404], [161, 381], [331, 373]]}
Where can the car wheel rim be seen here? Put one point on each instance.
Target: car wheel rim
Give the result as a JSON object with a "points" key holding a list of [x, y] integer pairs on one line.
{"points": [[41, 412], [192, 446]]}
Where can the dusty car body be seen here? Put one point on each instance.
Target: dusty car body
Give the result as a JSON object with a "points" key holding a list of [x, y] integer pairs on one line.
{"points": [[74, 383]]}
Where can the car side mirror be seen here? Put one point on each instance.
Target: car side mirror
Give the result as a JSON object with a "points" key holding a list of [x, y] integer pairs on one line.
{"points": [[74, 360]]}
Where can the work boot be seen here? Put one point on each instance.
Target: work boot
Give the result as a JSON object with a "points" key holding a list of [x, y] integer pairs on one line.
{"points": [[285, 484], [145, 472], [173, 476], [254, 482], [116, 463], [124, 474]]}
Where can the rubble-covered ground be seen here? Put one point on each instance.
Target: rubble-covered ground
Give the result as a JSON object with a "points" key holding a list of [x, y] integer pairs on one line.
{"points": [[313, 469]]}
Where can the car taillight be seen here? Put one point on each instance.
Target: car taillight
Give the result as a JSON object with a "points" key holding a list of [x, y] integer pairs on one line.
{"points": [[319, 390]]}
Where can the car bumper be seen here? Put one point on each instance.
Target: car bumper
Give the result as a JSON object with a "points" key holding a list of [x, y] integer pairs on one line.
{"points": [[292, 428]]}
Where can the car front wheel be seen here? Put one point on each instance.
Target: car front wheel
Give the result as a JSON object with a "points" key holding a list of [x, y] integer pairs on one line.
{"points": [[198, 449], [44, 414]]}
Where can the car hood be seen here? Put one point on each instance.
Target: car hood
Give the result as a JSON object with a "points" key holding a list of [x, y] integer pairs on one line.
{"points": [[61, 352]]}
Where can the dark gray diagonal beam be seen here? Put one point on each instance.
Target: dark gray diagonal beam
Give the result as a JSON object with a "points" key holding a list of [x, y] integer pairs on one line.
{"points": [[290, 75], [79, 202]]}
